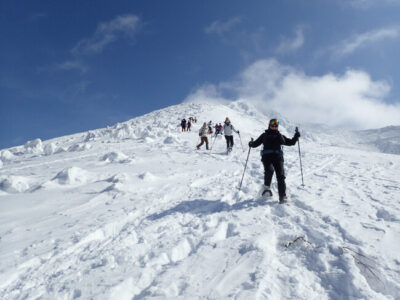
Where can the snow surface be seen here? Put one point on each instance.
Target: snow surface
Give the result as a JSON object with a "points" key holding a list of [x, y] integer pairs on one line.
{"points": [[133, 211]]}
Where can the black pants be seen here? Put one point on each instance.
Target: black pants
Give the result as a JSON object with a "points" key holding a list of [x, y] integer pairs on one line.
{"points": [[274, 162], [229, 141]]}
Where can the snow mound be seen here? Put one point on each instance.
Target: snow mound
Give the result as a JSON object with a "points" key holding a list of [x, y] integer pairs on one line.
{"points": [[79, 147], [72, 175], [170, 140], [14, 184], [147, 176], [6, 155], [1, 163], [49, 149], [120, 177], [35, 146], [122, 131], [115, 157], [90, 136], [61, 150], [118, 183], [385, 215]]}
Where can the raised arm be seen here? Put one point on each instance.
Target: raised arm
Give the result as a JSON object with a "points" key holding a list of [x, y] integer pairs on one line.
{"points": [[292, 141], [257, 142]]}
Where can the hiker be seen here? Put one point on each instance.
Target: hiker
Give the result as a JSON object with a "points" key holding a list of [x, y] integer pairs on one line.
{"points": [[220, 128], [210, 131], [183, 124], [228, 130], [216, 129], [189, 124], [203, 135], [272, 157]]}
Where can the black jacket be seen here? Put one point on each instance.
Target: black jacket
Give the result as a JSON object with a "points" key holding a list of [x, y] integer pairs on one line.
{"points": [[273, 140]]}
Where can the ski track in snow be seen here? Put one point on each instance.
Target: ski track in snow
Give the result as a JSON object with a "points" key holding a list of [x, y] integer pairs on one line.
{"points": [[140, 214]]}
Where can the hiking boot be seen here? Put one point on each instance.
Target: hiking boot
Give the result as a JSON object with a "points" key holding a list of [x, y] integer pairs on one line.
{"points": [[282, 199]]}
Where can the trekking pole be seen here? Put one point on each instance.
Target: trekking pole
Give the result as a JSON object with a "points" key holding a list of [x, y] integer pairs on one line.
{"points": [[241, 142], [301, 165], [245, 166]]}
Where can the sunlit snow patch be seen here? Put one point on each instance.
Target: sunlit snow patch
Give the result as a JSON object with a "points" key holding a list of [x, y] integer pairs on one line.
{"points": [[118, 183], [14, 184], [120, 177], [73, 175], [79, 147], [147, 176], [49, 149], [115, 157], [34, 146], [170, 140], [122, 131], [6, 155]]}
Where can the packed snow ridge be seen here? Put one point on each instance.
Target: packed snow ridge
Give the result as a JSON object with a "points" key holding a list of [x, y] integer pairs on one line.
{"points": [[133, 211]]}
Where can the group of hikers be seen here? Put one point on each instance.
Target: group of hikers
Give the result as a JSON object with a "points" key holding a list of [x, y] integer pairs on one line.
{"points": [[271, 155], [186, 125], [227, 129]]}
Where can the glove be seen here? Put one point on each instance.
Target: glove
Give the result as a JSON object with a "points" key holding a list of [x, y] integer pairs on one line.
{"points": [[238, 132], [250, 144], [297, 135]]}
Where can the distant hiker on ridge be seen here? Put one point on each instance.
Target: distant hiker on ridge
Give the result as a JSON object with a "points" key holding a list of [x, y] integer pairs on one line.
{"points": [[183, 124], [272, 157], [203, 135], [228, 130]]}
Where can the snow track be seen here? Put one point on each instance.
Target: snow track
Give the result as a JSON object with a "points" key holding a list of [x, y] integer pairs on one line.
{"points": [[155, 218]]}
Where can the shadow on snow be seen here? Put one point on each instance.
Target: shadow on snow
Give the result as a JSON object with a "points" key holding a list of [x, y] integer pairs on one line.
{"points": [[207, 207]]}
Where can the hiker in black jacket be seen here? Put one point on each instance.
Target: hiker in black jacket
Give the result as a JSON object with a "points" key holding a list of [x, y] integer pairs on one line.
{"points": [[272, 157]]}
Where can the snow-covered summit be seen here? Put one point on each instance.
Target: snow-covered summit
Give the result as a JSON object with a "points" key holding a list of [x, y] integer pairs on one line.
{"points": [[133, 211]]}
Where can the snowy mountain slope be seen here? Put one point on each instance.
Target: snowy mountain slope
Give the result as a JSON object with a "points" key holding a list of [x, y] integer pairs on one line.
{"points": [[132, 211], [385, 139]]}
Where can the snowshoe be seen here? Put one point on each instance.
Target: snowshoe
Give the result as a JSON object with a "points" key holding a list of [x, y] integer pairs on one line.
{"points": [[266, 193]]}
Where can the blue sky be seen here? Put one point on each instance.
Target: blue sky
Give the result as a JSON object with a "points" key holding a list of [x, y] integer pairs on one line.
{"points": [[71, 66]]}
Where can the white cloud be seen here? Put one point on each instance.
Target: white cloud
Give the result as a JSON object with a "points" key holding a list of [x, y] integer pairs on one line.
{"points": [[351, 100], [208, 93], [349, 46], [69, 65], [108, 32], [292, 44], [72, 65], [221, 27]]}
